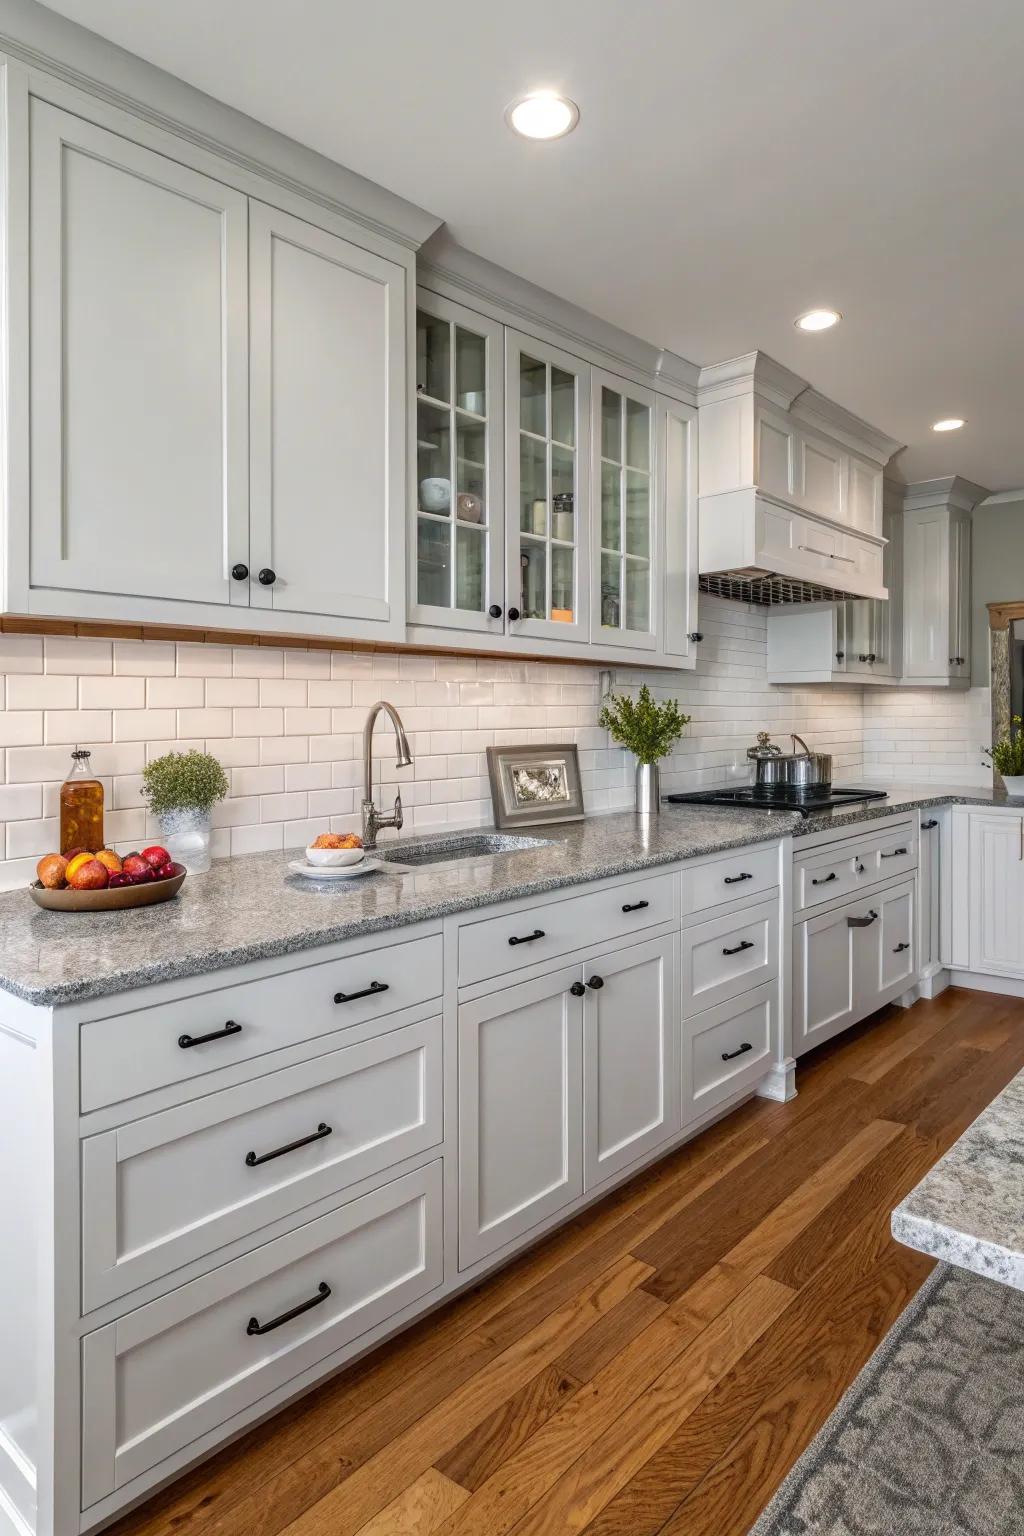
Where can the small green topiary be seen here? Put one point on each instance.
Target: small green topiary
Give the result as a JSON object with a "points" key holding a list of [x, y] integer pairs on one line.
{"points": [[183, 781], [649, 730], [1008, 755]]}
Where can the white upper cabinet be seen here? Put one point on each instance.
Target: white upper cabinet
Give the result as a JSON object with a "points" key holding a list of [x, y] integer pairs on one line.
{"points": [[626, 532], [864, 488], [820, 472], [547, 455], [457, 559], [677, 501], [937, 581], [139, 459], [327, 423]]}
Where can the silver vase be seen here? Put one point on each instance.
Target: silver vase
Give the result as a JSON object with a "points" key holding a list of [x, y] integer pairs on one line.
{"points": [[648, 789]]}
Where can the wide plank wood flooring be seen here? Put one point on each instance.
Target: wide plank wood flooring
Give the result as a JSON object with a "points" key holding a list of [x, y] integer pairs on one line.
{"points": [[658, 1365]]}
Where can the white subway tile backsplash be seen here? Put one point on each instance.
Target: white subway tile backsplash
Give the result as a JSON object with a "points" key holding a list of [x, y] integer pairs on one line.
{"points": [[174, 692], [21, 802], [257, 661], [144, 724], [204, 660], [232, 692], [205, 722], [283, 690], [77, 655], [259, 722], [21, 728], [308, 664], [58, 691], [144, 658], [21, 653]]}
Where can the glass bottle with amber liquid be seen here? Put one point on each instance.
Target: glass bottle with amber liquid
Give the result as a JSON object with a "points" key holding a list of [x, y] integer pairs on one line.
{"points": [[81, 806]]}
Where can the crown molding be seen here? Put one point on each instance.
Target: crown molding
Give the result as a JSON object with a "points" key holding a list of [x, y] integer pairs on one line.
{"points": [[946, 491], [1001, 497], [449, 269], [753, 372], [41, 40], [850, 430]]}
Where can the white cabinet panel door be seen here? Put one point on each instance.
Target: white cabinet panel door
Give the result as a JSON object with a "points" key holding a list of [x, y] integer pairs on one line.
{"points": [[929, 620], [327, 423], [139, 457], [997, 894], [520, 1110], [930, 867], [896, 959], [631, 1027], [677, 503], [820, 470], [824, 979], [776, 454], [864, 495]]}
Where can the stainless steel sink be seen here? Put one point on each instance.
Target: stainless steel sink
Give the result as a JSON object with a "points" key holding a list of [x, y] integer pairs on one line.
{"points": [[451, 850]]}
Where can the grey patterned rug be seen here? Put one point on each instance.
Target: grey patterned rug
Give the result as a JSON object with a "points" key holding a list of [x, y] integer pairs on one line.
{"points": [[929, 1440]]}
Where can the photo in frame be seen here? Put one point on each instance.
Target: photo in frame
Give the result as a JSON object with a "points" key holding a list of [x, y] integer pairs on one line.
{"points": [[534, 785]]}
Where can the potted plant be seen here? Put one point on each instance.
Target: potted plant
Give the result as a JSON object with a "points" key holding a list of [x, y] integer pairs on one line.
{"points": [[650, 731], [1007, 757], [182, 788]]}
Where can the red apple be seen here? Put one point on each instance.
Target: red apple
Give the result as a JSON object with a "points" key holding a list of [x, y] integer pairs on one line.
{"points": [[166, 871], [156, 855], [90, 876], [136, 866], [175, 868]]}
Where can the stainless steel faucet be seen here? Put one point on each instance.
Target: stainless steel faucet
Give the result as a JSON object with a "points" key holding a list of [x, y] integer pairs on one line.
{"points": [[372, 819]]}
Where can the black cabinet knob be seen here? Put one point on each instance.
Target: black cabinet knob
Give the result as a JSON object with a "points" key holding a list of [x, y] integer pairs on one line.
{"points": [[595, 983], [577, 989], [514, 614], [840, 655], [696, 636], [266, 577], [240, 572], [494, 611]]}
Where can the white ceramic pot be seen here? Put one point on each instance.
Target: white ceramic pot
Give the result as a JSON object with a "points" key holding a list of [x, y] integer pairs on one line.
{"points": [[1014, 784], [186, 836], [435, 494]]}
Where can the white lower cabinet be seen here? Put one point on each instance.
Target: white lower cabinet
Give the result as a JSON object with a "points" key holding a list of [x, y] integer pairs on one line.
{"points": [[727, 1049], [850, 960], [520, 1109], [996, 893], [630, 1102], [167, 1373], [173, 1187]]}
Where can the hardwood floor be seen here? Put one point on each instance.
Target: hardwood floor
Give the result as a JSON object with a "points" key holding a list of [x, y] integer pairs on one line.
{"points": [[659, 1364]]}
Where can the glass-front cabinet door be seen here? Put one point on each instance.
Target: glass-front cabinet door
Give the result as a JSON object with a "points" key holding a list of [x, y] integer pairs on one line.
{"points": [[624, 593], [457, 538], [547, 454]]}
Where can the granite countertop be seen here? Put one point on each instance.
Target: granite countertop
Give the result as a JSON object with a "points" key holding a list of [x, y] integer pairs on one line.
{"points": [[251, 908], [969, 1209]]}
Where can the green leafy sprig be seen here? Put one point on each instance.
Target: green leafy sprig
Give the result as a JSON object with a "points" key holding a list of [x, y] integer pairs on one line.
{"points": [[181, 781], [1008, 755], [649, 730]]}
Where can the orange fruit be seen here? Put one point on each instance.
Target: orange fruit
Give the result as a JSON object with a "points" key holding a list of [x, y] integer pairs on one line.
{"points": [[110, 860], [75, 864], [51, 871]]}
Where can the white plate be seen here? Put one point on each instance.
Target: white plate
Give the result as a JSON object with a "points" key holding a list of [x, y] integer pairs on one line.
{"points": [[333, 872]]}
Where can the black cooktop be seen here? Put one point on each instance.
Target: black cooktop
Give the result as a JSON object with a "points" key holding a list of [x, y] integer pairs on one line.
{"points": [[806, 801]]}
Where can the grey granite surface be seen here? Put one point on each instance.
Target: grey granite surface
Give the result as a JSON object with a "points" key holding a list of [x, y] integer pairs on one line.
{"points": [[969, 1209], [251, 908]]}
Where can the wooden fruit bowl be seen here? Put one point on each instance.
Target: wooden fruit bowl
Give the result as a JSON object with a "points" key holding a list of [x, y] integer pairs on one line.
{"points": [[106, 900]]}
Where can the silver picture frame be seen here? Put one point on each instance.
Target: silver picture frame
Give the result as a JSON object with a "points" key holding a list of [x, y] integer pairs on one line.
{"points": [[533, 786]]}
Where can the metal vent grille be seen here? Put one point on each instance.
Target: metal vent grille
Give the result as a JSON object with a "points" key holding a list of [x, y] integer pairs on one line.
{"points": [[766, 590]]}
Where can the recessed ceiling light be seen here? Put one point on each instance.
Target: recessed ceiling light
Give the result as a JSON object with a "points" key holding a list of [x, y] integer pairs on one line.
{"points": [[542, 115], [818, 320], [948, 424]]}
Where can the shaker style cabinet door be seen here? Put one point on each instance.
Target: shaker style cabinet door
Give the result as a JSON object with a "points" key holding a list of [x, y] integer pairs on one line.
{"points": [[547, 479], [138, 393], [327, 424], [996, 894], [520, 1110], [457, 556], [623, 591]]}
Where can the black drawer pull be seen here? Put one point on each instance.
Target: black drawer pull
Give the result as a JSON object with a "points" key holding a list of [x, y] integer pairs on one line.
{"points": [[230, 1028], [252, 1161], [635, 906], [735, 879], [323, 1290], [896, 853], [825, 880], [370, 991], [900, 948], [527, 938], [929, 826], [860, 869], [577, 989], [730, 1055], [596, 983], [862, 922], [742, 945]]}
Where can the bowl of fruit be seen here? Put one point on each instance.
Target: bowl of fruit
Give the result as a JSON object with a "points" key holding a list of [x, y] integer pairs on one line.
{"points": [[335, 850], [83, 881]]}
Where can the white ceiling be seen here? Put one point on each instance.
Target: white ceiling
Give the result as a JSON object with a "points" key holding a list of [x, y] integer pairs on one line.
{"points": [[736, 162]]}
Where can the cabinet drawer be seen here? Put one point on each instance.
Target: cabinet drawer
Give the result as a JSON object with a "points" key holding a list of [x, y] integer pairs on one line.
{"points": [[843, 869], [727, 1049], [729, 955], [746, 872], [133, 1053], [173, 1187], [167, 1373], [497, 945]]}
